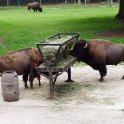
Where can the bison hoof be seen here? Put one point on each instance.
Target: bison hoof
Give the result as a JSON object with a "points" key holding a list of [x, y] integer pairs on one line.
{"points": [[68, 80], [51, 98], [26, 87], [32, 87], [122, 78], [101, 80]]}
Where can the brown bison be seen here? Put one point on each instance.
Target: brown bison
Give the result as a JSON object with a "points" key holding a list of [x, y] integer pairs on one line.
{"points": [[24, 62], [35, 6], [98, 53]]}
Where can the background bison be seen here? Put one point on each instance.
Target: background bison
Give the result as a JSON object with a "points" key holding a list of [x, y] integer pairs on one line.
{"points": [[98, 53], [35, 6], [24, 62]]}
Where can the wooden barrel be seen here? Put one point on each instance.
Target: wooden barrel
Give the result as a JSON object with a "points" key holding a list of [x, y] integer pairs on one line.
{"points": [[10, 86]]}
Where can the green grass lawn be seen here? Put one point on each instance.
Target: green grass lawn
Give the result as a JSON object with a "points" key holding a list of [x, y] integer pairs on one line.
{"points": [[19, 28]]}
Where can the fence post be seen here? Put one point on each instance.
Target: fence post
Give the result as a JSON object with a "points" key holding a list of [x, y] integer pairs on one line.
{"points": [[40, 2], [110, 2], [87, 1], [7, 2], [18, 3], [79, 2]]}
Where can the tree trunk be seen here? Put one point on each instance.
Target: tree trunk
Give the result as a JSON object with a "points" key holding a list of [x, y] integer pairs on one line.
{"points": [[40, 2], [120, 14], [79, 2], [7, 2], [87, 1], [18, 2], [110, 2], [66, 1]]}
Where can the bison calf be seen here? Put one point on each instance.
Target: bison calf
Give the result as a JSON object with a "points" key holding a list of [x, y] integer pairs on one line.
{"points": [[35, 6], [24, 62], [98, 53]]}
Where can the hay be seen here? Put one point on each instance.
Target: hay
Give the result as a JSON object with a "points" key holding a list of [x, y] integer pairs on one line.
{"points": [[58, 41], [52, 54], [49, 53]]}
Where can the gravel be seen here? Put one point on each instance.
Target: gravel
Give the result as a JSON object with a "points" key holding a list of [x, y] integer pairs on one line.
{"points": [[85, 101]]}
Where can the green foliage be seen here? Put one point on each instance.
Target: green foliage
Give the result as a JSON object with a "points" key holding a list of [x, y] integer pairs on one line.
{"points": [[19, 28]]}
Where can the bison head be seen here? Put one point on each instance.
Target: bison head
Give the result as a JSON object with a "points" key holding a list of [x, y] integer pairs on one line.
{"points": [[79, 49], [40, 9]]}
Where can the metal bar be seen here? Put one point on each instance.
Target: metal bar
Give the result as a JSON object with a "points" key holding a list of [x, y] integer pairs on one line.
{"points": [[55, 79], [69, 75], [57, 44], [44, 75], [68, 33], [52, 36], [58, 69], [51, 44], [51, 68], [51, 83], [75, 33], [41, 54], [57, 55]]}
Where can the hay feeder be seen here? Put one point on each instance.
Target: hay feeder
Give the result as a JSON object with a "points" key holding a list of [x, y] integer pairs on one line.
{"points": [[56, 59]]}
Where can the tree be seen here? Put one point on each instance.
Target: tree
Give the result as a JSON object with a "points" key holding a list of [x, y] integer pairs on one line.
{"points": [[66, 1], [40, 2], [7, 2], [110, 2], [120, 14], [79, 1], [87, 1], [18, 2]]}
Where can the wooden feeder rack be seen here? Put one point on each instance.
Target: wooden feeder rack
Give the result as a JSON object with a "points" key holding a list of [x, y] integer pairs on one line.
{"points": [[52, 70]]}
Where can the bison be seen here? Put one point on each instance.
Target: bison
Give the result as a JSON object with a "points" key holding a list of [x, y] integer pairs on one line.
{"points": [[98, 53], [35, 6], [24, 62]]}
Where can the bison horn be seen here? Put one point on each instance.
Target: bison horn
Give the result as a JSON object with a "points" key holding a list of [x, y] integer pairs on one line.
{"points": [[85, 46]]}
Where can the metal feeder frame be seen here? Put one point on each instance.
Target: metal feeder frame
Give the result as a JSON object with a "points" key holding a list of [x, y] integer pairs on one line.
{"points": [[51, 70]]}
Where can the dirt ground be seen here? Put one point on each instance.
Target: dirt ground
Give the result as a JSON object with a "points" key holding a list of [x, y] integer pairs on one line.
{"points": [[112, 33], [85, 101]]}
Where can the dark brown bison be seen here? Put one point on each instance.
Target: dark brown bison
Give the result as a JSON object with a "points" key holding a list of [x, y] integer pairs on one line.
{"points": [[98, 53], [35, 6], [24, 62]]}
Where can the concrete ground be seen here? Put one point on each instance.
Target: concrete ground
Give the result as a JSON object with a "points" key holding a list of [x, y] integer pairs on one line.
{"points": [[85, 101]]}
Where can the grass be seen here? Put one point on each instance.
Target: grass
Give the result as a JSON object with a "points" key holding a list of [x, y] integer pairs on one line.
{"points": [[19, 28]]}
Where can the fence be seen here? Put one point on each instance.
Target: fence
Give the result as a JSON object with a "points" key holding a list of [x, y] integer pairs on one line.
{"points": [[24, 2]]}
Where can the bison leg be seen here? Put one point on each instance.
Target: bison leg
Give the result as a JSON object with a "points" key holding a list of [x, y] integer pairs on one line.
{"points": [[32, 74], [34, 9], [103, 72], [31, 78], [25, 79], [37, 9], [40, 9], [122, 77], [38, 77], [29, 9]]}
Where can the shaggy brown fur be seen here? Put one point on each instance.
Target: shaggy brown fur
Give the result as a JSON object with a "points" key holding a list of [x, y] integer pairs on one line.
{"points": [[98, 53], [35, 6], [24, 62], [101, 46]]}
